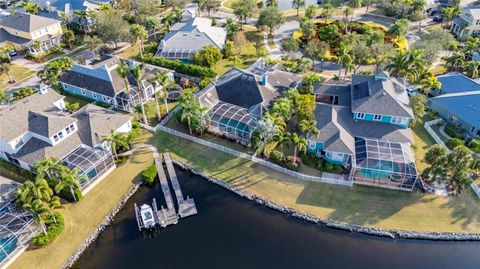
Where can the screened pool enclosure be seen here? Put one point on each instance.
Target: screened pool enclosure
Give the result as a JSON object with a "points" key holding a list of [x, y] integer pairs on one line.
{"points": [[384, 164], [232, 121], [92, 162]]}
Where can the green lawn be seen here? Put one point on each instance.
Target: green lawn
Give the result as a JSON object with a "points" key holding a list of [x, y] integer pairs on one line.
{"points": [[83, 217], [422, 142], [18, 73], [151, 111], [244, 47], [361, 205]]}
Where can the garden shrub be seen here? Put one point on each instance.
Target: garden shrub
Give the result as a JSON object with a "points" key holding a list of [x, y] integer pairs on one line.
{"points": [[22, 93], [67, 194], [187, 69], [451, 131], [135, 124], [277, 156], [53, 229], [328, 166], [309, 159], [474, 145], [292, 166], [204, 83], [149, 175], [432, 115], [72, 106], [454, 142]]}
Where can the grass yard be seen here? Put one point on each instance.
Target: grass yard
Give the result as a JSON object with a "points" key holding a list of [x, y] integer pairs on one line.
{"points": [[244, 47], [152, 111], [422, 141], [130, 52], [361, 205], [83, 217], [18, 73]]}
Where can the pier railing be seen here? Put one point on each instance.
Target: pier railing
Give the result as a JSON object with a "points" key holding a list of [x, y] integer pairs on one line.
{"points": [[340, 180]]}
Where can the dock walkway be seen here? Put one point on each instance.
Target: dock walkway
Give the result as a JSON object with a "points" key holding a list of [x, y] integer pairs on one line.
{"points": [[167, 215], [186, 207]]}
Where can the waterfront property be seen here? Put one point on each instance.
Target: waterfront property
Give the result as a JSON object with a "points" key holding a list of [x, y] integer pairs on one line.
{"points": [[187, 37], [99, 81], [239, 98], [39, 127], [16, 227], [364, 127], [35, 33]]}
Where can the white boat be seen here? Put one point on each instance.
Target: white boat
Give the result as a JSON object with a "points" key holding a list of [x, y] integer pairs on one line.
{"points": [[146, 214]]}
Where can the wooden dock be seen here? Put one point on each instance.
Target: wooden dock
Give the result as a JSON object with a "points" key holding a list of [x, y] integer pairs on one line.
{"points": [[186, 207], [166, 216]]}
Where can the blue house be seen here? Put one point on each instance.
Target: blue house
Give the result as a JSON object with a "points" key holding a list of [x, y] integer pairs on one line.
{"points": [[456, 83], [364, 126], [100, 82]]}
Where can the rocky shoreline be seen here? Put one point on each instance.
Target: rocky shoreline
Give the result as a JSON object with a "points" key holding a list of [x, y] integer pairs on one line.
{"points": [[106, 221], [439, 236]]}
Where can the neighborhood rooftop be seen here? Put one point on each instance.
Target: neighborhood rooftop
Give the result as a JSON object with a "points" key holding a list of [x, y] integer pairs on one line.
{"points": [[456, 82], [463, 105], [26, 22]]}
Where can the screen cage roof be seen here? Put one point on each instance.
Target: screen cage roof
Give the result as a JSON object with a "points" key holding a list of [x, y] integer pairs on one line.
{"points": [[384, 156], [233, 116], [85, 158], [177, 53]]}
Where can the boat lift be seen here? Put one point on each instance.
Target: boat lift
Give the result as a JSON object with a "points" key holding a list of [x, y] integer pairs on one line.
{"points": [[147, 217]]}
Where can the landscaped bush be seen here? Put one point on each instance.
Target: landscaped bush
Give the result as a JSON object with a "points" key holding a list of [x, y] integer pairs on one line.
{"points": [[474, 145], [187, 69], [72, 106], [53, 229], [309, 159], [22, 93], [292, 166], [277, 156], [432, 115], [333, 168], [67, 195], [454, 142], [135, 124], [204, 83], [451, 131], [149, 175]]}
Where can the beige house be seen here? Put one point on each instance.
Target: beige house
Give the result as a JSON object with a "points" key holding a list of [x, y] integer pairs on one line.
{"points": [[37, 34]]}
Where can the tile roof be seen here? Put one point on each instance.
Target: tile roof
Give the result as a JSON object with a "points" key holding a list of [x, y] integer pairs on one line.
{"points": [[456, 82], [464, 105], [16, 116], [26, 22], [385, 96]]}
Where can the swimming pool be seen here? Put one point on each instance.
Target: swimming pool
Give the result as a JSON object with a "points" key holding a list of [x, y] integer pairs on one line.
{"points": [[8, 244], [381, 169]]}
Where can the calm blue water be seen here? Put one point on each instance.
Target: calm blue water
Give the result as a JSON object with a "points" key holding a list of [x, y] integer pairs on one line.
{"points": [[233, 233]]}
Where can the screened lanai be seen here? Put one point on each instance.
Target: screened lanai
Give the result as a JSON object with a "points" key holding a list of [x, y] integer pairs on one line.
{"points": [[177, 53], [232, 121], [384, 164], [16, 230], [92, 162]]}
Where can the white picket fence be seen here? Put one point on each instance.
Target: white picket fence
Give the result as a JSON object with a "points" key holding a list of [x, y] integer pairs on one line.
{"points": [[340, 180], [439, 141]]}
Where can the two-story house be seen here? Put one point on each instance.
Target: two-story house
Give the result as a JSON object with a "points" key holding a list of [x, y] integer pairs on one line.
{"points": [[36, 33], [468, 23], [38, 127], [364, 127], [99, 81]]}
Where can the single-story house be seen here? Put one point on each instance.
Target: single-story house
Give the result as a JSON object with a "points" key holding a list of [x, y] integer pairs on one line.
{"points": [[39, 127], [239, 98], [99, 81], [364, 126], [35, 33], [456, 83], [186, 38]]}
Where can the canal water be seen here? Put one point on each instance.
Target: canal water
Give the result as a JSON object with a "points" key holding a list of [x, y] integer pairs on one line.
{"points": [[230, 232], [287, 4]]}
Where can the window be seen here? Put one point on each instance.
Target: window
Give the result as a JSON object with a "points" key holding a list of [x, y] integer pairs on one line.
{"points": [[360, 115], [94, 95], [84, 92], [55, 138], [311, 144], [377, 117], [398, 120], [68, 130], [106, 99], [72, 127], [60, 135]]}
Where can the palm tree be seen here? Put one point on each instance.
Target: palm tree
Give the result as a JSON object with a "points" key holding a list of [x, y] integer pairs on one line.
{"points": [[327, 11], [122, 71], [70, 179], [398, 66], [354, 4], [311, 11], [267, 130], [308, 126], [48, 167], [114, 140], [455, 61], [167, 21], [92, 43], [297, 4], [68, 36], [429, 83], [187, 113], [53, 204], [34, 190], [235, 60], [472, 69], [308, 28], [348, 11], [283, 138], [344, 58], [38, 209], [138, 73], [271, 3], [448, 14], [138, 34], [166, 82], [5, 68], [202, 119], [300, 145]]}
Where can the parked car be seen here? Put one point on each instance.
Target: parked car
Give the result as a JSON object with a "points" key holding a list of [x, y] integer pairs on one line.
{"points": [[437, 19]]}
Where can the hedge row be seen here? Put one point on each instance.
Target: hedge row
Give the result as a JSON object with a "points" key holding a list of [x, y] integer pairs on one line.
{"points": [[149, 174], [183, 68]]}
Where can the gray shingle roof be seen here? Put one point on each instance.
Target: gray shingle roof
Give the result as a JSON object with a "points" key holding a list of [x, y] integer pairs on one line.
{"points": [[340, 90], [47, 124], [84, 81], [338, 129], [239, 88], [7, 37], [26, 22], [379, 96], [16, 116]]}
